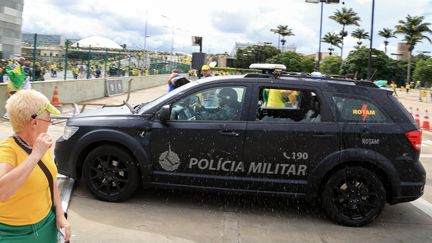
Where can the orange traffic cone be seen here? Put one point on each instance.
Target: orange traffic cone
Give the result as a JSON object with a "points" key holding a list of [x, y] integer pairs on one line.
{"points": [[426, 124], [55, 100], [417, 117]]}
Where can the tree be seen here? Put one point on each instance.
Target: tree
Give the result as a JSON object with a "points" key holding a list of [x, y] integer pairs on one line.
{"points": [[386, 33], [292, 60], [357, 63], [254, 54], [344, 18], [330, 65], [308, 64], [360, 34], [414, 29], [282, 30], [277, 31], [423, 71], [333, 39], [397, 68]]}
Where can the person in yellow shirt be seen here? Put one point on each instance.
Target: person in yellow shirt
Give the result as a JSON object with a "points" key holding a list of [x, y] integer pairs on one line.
{"points": [[30, 205], [394, 86], [281, 98]]}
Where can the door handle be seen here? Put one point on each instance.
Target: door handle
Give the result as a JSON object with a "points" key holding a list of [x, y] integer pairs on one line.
{"points": [[231, 133], [323, 136]]}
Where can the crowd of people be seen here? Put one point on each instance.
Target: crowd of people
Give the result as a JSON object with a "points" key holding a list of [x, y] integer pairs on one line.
{"points": [[16, 73]]}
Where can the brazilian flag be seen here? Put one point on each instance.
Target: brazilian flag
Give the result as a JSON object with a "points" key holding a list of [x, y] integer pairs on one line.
{"points": [[16, 75]]}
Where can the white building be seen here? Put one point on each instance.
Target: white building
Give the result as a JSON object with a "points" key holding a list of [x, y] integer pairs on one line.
{"points": [[10, 27]]}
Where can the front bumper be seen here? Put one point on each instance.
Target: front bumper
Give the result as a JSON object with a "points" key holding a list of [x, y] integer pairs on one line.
{"points": [[65, 158]]}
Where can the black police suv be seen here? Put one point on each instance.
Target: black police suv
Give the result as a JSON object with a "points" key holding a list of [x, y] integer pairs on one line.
{"points": [[347, 144]]}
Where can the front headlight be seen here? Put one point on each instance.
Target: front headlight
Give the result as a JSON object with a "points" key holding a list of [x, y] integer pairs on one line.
{"points": [[69, 131]]}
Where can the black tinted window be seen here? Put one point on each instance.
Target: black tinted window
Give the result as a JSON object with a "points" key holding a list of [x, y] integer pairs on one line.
{"points": [[215, 104]]}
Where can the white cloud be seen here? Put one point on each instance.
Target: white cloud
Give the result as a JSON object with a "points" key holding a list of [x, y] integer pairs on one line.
{"points": [[221, 24]]}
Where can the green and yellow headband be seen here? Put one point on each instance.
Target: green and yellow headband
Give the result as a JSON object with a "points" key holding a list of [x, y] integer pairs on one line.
{"points": [[47, 107]]}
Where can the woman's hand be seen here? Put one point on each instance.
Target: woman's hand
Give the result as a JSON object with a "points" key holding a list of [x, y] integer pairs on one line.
{"points": [[42, 144], [62, 222]]}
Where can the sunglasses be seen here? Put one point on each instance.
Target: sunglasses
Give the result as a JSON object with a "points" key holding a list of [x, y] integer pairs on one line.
{"points": [[49, 120]]}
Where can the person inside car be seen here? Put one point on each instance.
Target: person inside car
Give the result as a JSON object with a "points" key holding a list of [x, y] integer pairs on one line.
{"points": [[229, 107]]}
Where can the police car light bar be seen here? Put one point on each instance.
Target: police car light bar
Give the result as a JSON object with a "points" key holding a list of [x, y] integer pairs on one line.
{"points": [[267, 66]]}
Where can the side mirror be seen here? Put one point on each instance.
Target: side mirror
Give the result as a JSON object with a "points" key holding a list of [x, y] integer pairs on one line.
{"points": [[164, 113]]}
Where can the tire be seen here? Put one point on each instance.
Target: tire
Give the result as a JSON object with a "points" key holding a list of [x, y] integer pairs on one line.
{"points": [[353, 196], [111, 173]]}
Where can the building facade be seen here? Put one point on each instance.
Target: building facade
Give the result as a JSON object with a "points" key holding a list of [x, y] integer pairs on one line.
{"points": [[10, 27], [43, 40], [402, 51]]}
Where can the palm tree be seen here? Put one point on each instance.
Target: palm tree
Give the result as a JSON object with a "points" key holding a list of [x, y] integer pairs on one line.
{"points": [[333, 39], [360, 34], [344, 18], [282, 30], [414, 29], [386, 33]]}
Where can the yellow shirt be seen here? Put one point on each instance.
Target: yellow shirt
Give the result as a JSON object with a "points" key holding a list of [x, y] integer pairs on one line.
{"points": [[32, 201], [276, 97]]}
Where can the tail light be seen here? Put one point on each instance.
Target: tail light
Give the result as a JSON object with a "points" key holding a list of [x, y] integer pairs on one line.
{"points": [[415, 138]]}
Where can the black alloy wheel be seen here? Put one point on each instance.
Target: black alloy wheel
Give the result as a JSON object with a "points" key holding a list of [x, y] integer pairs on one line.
{"points": [[354, 196], [111, 173]]}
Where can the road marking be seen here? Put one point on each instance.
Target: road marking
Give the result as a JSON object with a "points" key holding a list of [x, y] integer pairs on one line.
{"points": [[424, 206], [426, 156], [426, 143]]}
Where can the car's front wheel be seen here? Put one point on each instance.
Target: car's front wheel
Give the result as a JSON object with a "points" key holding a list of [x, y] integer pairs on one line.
{"points": [[353, 196], [111, 173]]}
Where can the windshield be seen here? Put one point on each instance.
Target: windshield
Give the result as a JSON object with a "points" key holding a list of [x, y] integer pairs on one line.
{"points": [[146, 106]]}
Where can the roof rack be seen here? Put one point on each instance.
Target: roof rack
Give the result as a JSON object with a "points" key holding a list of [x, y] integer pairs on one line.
{"points": [[278, 70], [267, 66], [363, 83]]}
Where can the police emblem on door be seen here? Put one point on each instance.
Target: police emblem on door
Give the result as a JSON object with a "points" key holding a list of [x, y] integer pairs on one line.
{"points": [[169, 160]]}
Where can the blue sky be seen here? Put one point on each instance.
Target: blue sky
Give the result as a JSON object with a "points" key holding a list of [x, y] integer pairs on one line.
{"points": [[221, 23]]}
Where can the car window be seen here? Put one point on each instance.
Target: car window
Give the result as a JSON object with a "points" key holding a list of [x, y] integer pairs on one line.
{"points": [[221, 103], [288, 105], [358, 110]]}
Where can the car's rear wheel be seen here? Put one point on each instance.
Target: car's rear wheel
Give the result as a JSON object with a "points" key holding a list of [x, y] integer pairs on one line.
{"points": [[353, 196], [111, 173]]}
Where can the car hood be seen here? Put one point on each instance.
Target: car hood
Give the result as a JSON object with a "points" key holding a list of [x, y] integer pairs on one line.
{"points": [[106, 111]]}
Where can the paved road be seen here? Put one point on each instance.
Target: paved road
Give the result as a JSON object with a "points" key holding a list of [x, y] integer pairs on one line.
{"points": [[178, 216]]}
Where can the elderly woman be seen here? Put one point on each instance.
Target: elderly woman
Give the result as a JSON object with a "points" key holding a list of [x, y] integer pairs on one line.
{"points": [[30, 206]]}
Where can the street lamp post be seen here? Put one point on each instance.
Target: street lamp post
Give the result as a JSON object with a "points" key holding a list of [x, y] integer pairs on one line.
{"points": [[145, 41], [317, 65], [105, 62], [319, 41], [370, 41], [34, 56], [129, 65], [66, 58], [88, 62]]}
